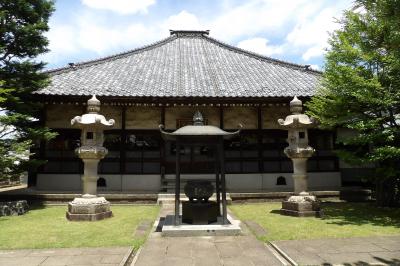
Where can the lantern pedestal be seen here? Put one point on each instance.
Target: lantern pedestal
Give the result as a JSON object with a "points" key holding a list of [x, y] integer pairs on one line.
{"points": [[303, 205], [88, 208]]}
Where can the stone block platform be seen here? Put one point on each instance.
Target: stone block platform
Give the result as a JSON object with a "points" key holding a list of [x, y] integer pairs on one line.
{"points": [[215, 229]]}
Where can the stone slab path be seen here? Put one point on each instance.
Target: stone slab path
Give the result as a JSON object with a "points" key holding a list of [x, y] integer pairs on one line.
{"points": [[114, 256], [343, 251], [243, 250], [207, 251]]}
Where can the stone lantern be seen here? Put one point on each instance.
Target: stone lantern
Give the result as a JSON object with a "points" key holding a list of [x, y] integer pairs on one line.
{"points": [[301, 203], [90, 207]]}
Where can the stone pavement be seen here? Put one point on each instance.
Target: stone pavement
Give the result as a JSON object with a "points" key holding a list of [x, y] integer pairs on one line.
{"points": [[207, 251], [65, 256], [343, 251], [243, 250]]}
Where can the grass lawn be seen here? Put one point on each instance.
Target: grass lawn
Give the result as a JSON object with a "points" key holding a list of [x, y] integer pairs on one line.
{"points": [[340, 220], [48, 228]]}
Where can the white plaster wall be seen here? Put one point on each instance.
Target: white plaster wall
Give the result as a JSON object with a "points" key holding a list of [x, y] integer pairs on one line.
{"points": [[267, 181], [243, 182], [191, 176], [62, 182], [70, 182], [113, 182], [141, 182], [234, 182]]}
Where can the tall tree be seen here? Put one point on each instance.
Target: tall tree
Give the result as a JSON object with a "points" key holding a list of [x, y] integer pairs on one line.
{"points": [[361, 91], [22, 27]]}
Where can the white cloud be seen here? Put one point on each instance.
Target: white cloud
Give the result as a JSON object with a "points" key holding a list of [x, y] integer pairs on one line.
{"points": [[295, 27], [62, 40], [314, 51], [182, 21], [122, 7], [254, 17], [65, 41], [315, 67], [260, 46]]}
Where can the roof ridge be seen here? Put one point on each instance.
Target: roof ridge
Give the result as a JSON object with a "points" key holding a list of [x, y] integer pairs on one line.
{"points": [[189, 32], [263, 57], [74, 66]]}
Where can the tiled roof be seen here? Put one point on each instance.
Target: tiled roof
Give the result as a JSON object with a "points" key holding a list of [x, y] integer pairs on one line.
{"points": [[186, 64]]}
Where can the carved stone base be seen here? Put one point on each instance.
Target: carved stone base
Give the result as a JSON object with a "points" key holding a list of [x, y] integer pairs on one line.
{"points": [[301, 206], [88, 208]]}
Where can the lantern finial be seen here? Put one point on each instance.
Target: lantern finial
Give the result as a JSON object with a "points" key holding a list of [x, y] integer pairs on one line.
{"points": [[93, 105], [296, 106], [198, 119]]}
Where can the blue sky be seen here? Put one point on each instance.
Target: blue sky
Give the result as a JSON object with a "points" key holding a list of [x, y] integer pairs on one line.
{"points": [[291, 30]]}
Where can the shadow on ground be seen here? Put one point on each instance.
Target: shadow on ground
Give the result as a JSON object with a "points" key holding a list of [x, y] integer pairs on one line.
{"points": [[393, 262], [360, 213]]}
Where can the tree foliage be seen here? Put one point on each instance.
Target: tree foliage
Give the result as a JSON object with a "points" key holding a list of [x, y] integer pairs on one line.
{"points": [[360, 91], [22, 27]]}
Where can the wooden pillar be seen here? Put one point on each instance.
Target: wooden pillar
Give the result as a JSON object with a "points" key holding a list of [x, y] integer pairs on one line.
{"points": [[223, 183], [221, 117], [177, 182], [122, 150], [162, 150], [259, 140], [217, 181]]}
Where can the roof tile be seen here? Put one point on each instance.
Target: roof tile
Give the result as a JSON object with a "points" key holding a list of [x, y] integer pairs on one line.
{"points": [[185, 65]]}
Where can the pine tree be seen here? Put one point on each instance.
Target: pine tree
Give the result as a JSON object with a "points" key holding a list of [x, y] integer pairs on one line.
{"points": [[361, 91], [22, 27]]}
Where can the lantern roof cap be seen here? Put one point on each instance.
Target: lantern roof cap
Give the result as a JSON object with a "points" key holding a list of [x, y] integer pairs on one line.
{"points": [[297, 119], [92, 119], [198, 129]]}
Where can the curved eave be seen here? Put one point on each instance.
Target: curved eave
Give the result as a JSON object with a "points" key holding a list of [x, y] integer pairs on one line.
{"points": [[167, 100], [174, 136]]}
